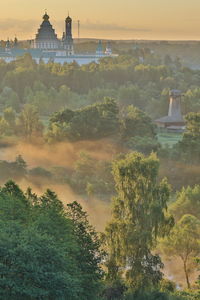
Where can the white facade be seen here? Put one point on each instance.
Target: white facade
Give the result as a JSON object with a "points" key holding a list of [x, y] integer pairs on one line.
{"points": [[46, 44]]}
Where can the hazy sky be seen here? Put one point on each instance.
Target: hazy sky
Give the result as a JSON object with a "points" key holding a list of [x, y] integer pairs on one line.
{"points": [[113, 19]]}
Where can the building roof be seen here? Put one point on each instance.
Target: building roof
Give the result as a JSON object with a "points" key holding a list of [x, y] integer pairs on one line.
{"points": [[46, 31], [175, 93], [68, 19], [171, 119], [174, 114]]}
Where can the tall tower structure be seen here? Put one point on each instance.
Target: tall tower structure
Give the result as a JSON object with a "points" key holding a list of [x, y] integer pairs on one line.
{"points": [[175, 105], [174, 120], [68, 43]]}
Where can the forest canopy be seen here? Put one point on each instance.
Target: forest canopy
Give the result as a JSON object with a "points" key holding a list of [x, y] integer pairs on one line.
{"points": [[88, 132]]}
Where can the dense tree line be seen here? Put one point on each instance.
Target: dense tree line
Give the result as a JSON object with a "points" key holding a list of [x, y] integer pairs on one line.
{"points": [[92, 122], [129, 129], [46, 251], [132, 81], [87, 176], [50, 251], [112, 100], [101, 120]]}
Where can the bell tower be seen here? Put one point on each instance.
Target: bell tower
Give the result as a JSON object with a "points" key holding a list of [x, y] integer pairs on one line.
{"points": [[68, 43], [68, 27], [175, 104]]}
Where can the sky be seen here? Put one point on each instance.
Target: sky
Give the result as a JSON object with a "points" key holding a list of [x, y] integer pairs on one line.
{"points": [[111, 19]]}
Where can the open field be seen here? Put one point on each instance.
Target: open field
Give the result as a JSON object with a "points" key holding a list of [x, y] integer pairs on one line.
{"points": [[169, 139]]}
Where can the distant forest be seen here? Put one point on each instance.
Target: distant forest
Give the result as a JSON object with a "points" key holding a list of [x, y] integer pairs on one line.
{"points": [[140, 76]]}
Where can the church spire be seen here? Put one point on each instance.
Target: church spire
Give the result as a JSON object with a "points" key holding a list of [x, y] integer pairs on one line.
{"points": [[46, 16], [68, 27], [68, 40]]}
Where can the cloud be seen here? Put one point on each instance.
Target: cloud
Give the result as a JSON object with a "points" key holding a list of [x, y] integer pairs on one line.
{"points": [[98, 26], [24, 27], [21, 26]]}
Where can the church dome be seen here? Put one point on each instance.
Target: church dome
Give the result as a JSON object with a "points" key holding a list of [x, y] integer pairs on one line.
{"points": [[46, 31], [68, 19], [46, 17]]}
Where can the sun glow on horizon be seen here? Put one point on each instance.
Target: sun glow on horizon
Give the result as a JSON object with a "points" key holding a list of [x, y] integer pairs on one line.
{"points": [[113, 19]]}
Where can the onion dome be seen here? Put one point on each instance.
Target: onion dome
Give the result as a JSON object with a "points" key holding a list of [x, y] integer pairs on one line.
{"points": [[68, 19], [46, 17]]}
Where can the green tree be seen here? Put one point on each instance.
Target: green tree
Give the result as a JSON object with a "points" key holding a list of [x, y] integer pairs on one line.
{"points": [[19, 78], [14, 206], [89, 254], [184, 242], [90, 190], [33, 266], [10, 116], [189, 147], [9, 98], [92, 176], [91, 122], [8, 122], [28, 123], [187, 202], [136, 123], [130, 95], [4, 127], [46, 252], [14, 170], [143, 144], [139, 218]]}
